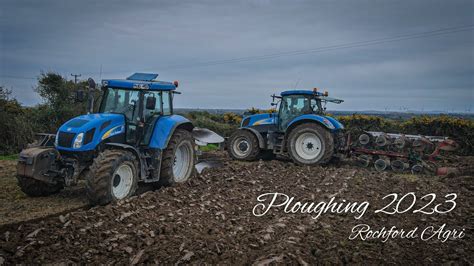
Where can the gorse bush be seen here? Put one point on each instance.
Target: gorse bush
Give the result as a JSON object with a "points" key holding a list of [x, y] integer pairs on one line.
{"points": [[358, 123], [460, 130], [253, 111], [233, 119]]}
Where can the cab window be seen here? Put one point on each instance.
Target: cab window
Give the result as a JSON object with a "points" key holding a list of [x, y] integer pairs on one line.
{"points": [[291, 107], [150, 113], [166, 103]]}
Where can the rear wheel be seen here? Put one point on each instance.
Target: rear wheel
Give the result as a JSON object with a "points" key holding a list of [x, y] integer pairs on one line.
{"points": [[243, 145], [310, 144], [36, 188], [112, 176], [178, 159]]}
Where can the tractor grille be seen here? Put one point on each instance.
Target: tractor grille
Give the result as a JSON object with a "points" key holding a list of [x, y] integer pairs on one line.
{"points": [[89, 136], [65, 139]]}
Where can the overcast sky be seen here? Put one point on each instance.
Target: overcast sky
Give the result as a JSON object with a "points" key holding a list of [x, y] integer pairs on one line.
{"points": [[175, 38]]}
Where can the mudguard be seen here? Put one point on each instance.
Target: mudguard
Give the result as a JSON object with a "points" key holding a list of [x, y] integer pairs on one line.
{"points": [[329, 122], [261, 141], [136, 152], [164, 128]]}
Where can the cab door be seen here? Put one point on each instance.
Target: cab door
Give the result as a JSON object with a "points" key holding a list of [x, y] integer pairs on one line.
{"points": [[163, 107], [291, 107]]}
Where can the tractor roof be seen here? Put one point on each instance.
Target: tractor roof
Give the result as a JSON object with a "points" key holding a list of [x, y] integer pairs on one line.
{"points": [[141, 81], [319, 95], [299, 92]]}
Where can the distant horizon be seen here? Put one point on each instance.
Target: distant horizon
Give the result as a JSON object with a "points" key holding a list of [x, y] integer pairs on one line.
{"points": [[347, 111]]}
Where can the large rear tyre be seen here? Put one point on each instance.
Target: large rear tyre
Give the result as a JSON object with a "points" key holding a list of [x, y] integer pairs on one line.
{"points": [[310, 144], [243, 145], [178, 159], [112, 176], [36, 188]]}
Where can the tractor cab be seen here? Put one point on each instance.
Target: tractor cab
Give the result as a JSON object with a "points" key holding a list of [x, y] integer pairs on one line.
{"points": [[295, 103], [141, 100]]}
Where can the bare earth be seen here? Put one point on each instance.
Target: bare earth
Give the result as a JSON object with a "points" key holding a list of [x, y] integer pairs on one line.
{"points": [[209, 219], [15, 206]]}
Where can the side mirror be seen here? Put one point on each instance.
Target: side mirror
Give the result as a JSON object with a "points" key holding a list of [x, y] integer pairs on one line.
{"points": [[274, 104], [80, 96], [150, 103]]}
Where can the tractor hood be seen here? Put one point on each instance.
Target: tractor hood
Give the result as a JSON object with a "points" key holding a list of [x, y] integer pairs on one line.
{"points": [[85, 132], [259, 119]]}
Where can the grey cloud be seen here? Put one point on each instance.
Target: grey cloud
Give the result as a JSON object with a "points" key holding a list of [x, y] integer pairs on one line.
{"points": [[127, 36]]}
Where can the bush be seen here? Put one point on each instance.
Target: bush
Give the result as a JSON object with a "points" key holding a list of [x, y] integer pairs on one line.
{"points": [[221, 124], [220, 128], [460, 130], [17, 129], [19, 124], [232, 118], [358, 123], [253, 111]]}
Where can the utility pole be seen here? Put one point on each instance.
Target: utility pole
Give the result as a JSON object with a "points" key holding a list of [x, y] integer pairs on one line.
{"points": [[75, 77]]}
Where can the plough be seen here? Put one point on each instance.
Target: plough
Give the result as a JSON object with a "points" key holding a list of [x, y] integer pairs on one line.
{"points": [[399, 152]]}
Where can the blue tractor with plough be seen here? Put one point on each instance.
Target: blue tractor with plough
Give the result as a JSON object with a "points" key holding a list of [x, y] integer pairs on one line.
{"points": [[300, 129], [303, 131]]}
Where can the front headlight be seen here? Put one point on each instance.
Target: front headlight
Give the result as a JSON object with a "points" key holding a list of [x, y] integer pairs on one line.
{"points": [[78, 141]]}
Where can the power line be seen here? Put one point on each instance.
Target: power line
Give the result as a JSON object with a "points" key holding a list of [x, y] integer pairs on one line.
{"points": [[329, 48], [75, 77], [350, 45]]}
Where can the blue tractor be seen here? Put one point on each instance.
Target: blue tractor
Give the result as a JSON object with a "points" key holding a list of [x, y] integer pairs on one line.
{"points": [[300, 129], [135, 137]]}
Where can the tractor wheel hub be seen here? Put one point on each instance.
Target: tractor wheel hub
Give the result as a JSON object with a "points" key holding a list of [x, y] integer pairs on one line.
{"points": [[122, 181], [308, 146]]}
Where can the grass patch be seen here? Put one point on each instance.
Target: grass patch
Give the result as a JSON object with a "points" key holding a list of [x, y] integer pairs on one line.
{"points": [[209, 147], [409, 177], [11, 157]]}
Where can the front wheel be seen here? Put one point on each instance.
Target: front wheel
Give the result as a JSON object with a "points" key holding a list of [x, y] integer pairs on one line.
{"points": [[112, 176], [310, 144], [243, 145], [178, 159]]}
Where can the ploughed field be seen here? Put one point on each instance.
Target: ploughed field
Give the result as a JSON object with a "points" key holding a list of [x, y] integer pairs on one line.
{"points": [[210, 219]]}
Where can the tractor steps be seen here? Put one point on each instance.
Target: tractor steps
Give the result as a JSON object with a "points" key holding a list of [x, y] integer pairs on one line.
{"points": [[277, 140]]}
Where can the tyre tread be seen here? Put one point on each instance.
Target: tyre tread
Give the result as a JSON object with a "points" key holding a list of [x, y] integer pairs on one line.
{"points": [[98, 179]]}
